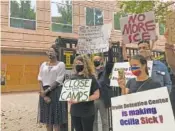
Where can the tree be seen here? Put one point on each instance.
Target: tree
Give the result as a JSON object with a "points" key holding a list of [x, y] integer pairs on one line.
{"points": [[66, 12], [161, 9], [14, 10], [22, 10]]}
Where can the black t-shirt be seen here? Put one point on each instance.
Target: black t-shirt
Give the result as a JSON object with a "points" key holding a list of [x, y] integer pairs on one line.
{"points": [[138, 86], [84, 109]]}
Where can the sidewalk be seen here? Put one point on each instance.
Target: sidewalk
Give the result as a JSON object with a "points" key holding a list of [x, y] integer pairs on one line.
{"points": [[19, 112]]}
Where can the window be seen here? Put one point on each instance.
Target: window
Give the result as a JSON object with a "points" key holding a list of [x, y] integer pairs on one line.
{"points": [[61, 15], [117, 17], [94, 16], [23, 14], [161, 28]]}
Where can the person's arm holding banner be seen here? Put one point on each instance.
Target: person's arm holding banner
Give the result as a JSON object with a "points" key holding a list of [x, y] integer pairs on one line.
{"points": [[110, 62]]}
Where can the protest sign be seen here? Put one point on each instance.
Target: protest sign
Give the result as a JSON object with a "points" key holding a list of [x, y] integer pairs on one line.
{"points": [[138, 27], [170, 23], [127, 71], [143, 111], [93, 39], [78, 90]]}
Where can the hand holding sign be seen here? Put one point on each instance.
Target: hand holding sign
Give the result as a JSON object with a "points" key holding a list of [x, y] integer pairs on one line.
{"points": [[76, 90]]}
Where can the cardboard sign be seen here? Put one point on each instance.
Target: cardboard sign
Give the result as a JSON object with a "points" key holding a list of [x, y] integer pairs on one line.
{"points": [[138, 27], [127, 71], [170, 23], [78, 90], [143, 111], [93, 39]]}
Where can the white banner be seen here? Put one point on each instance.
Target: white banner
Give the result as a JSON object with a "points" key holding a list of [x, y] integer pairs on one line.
{"points": [[78, 90], [143, 111], [94, 39], [138, 27], [127, 72]]}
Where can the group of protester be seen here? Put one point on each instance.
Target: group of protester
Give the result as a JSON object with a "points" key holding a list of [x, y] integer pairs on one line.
{"points": [[53, 112]]}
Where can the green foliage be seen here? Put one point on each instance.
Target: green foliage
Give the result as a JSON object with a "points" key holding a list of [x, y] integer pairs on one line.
{"points": [[89, 16], [161, 9], [93, 16], [117, 17], [66, 13], [22, 10]]}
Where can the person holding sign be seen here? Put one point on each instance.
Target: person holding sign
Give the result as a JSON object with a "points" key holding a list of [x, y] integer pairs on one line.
{"points": [[159, 71], [83, 113], [170, 58], [104, 102], [52, 112], [142, 82]]}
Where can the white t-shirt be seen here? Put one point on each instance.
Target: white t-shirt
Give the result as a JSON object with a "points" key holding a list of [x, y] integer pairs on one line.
{"points": [[49, 74]]}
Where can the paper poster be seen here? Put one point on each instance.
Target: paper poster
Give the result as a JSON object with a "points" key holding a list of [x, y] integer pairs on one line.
{"points": [[143, 111], [127, 71], [170, 22], [138, 27], [94, 39], [78, 90]]}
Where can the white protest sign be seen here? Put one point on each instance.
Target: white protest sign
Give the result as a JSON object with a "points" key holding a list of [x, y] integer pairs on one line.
{"points": [[128, 74], [138, 27], [143, 111], [94, 39], [78, 90]]}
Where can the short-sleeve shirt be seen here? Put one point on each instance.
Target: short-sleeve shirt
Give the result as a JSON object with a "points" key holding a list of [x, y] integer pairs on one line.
{"points": [[138, 86], [84, 109], [49, 74]]}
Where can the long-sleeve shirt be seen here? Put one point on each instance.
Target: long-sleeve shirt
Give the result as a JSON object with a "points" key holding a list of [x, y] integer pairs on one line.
{"points": [[104, 80]]}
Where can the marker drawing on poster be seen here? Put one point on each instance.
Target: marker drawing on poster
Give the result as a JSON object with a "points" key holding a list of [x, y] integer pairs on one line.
{"points": [[138, 27], [127, 71], [78, 90], [93, 39]]}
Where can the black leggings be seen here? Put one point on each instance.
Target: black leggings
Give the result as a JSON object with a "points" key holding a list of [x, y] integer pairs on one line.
{"points": [[83, 123]]}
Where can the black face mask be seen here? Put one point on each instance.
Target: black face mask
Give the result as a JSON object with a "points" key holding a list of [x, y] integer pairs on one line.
{"points": [[79, 68], [52, 56], [96, 63]]}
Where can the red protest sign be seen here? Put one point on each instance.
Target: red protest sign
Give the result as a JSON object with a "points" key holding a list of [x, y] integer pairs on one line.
{"points": [[138, 27]]}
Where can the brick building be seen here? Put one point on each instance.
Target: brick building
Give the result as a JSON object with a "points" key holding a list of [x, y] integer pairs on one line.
{"points": [[29, 28]]}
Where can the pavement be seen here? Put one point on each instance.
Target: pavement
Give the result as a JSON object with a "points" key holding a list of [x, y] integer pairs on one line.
{"points": [[19, 112]]}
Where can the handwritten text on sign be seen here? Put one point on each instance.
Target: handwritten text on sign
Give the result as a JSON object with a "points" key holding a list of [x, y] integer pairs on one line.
{"points": [[151, 112], [170, 22], [76, 90], [93, 39], [127, 71], [138, 27]]}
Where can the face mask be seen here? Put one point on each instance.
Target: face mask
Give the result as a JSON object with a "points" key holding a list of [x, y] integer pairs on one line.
{"points": [[79, 68], [52, 56], [136, 71], [96, 63]]}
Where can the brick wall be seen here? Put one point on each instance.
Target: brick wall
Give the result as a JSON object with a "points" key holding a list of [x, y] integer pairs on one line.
{"points": [[42, 37]]}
